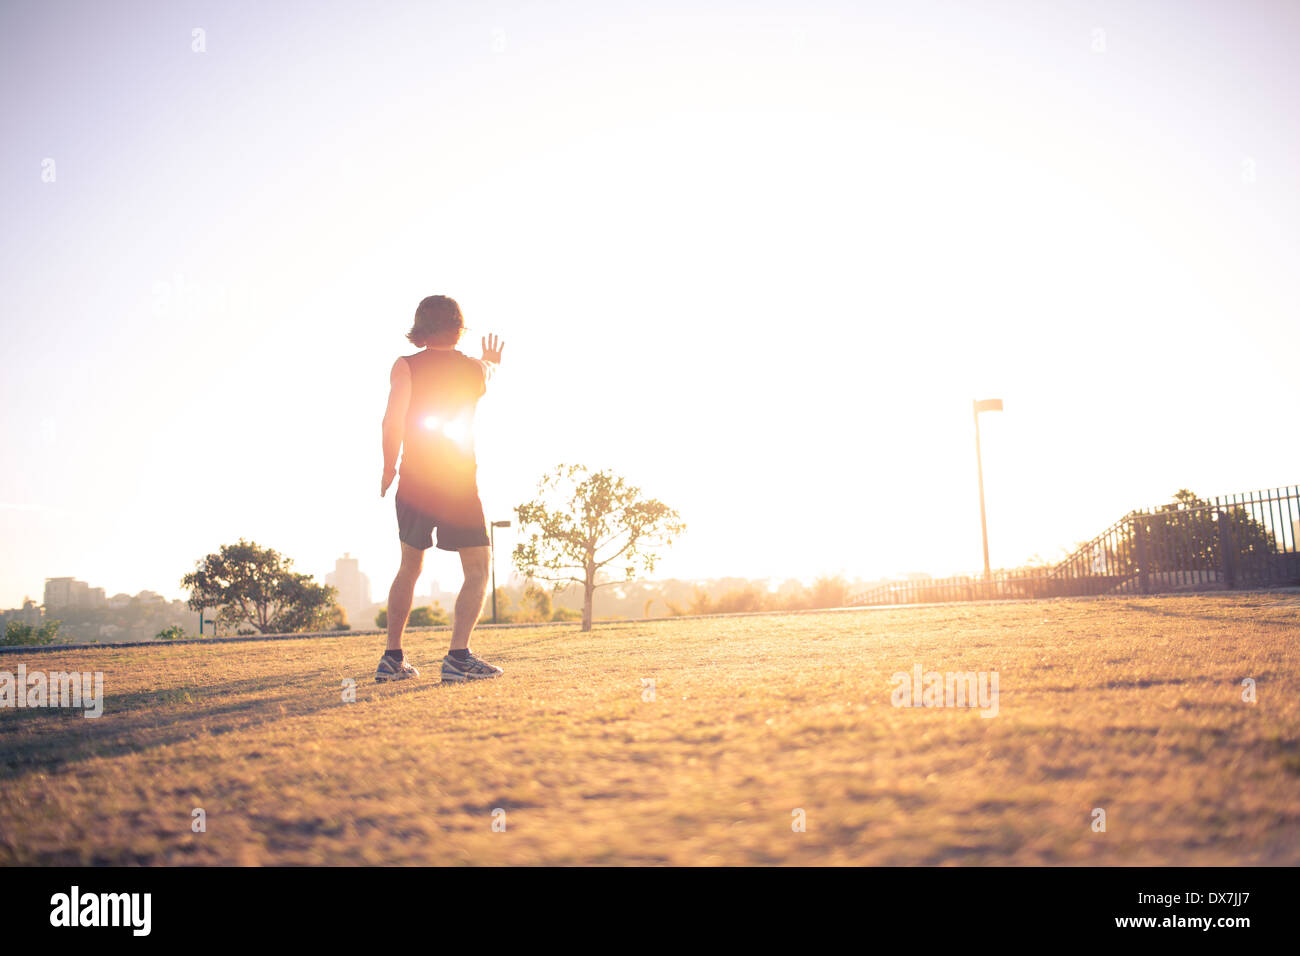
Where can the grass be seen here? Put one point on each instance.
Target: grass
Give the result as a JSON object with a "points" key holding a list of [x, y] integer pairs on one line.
{"points": [[1132, 705]]}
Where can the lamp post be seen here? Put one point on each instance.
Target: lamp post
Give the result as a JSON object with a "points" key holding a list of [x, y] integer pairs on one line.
{"points": [[493, 533], [987, 405]]}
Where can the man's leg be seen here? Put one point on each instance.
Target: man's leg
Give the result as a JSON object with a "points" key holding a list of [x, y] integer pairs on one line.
{"points": [[402, 593], [469, 603]]}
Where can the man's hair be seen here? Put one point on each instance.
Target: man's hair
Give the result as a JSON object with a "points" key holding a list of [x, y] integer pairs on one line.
{"points": [[437, 322]]}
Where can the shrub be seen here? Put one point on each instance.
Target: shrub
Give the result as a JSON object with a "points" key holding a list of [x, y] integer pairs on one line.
{"points": [[19, 634], [425, 617]]}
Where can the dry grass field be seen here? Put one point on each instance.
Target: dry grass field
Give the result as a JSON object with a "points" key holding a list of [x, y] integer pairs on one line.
{"points": [[1131, 705]]}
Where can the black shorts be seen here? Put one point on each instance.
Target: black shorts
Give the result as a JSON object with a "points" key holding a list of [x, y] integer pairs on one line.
{"points": [[458, 518]]}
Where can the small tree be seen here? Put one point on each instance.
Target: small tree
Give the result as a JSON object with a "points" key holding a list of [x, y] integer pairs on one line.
{"points": [[173, 633], [255, 585], [584, 521]]}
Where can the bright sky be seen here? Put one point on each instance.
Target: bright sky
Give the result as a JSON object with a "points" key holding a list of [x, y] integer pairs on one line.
{"points": [[759, 257]]}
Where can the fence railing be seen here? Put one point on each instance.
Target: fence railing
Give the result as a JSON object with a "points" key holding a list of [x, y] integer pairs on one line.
{"points": [[1247, 540]]}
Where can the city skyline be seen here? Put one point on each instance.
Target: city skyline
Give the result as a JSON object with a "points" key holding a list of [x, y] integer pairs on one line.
{"points": [[432, 589]]}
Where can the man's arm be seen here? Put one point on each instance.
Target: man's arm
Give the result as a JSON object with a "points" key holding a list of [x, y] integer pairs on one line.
{"points": [[399, 397]]}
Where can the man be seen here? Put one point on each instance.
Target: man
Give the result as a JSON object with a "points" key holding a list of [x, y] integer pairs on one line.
{"points": [[430, 417]]}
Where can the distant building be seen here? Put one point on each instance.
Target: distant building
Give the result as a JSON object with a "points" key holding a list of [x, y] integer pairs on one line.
{"points": [[69, 593], [353, 588], [59, 593], [29, 613], [65, 593]]}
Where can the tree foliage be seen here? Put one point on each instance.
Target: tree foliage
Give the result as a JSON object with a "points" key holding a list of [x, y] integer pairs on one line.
{"points": [[585, 524], [1190, 532], [537, 604], [338, 619], [18, 634], [252, 585], [826, 592], [426, 616], [423, 616]]}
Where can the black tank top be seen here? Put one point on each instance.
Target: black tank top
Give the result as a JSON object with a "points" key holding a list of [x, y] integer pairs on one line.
{"points": [[438, 442]]}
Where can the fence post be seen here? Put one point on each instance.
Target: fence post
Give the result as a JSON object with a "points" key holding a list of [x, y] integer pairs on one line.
{"points": [[1140, 541], [1227, 546]]}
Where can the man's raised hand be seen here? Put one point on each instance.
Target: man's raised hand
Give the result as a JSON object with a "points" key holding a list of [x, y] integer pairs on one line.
{"points": [[492, 349]]}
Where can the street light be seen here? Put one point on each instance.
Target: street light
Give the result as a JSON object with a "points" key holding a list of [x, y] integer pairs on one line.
{"points": [[988, 405], [493, 532]]}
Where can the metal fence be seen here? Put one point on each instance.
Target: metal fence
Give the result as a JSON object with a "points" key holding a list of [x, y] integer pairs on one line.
{"points": [[1234, 541]]}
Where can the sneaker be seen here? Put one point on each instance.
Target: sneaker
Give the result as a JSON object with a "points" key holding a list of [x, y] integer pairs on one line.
{"points": [[469, 669], [390, 669]]}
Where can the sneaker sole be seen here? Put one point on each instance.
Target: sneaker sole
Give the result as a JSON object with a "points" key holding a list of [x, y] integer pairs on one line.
{"points": [[388, 680], [457, 678]]}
